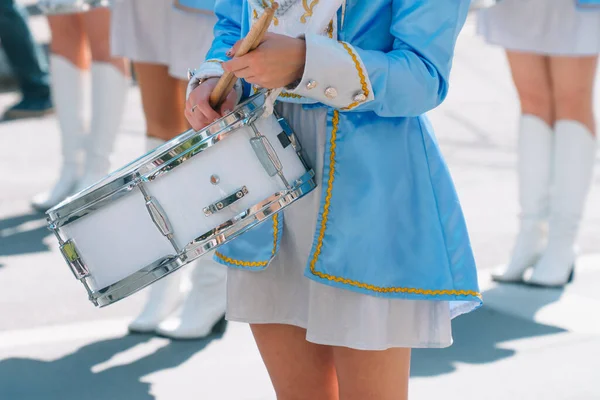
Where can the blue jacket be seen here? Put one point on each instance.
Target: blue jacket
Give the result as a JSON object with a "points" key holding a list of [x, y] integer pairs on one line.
{"points": [[588, 4], [196, 5], [390, 223]]}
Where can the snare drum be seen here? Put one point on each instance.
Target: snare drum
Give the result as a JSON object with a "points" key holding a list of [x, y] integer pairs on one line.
{"points": [[180, 201], [52, 7]]}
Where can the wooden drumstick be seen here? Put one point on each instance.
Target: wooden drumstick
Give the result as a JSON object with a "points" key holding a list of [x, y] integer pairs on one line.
{"points": [[250, 42]]}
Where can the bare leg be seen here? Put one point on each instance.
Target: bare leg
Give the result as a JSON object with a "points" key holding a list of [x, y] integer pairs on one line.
{"points": [[573, 89], [97, 27], [299, 370], [69, 39], [531, 75], [68, 64], [163, 99], [381, 375], [573, 164], [109, 93]]}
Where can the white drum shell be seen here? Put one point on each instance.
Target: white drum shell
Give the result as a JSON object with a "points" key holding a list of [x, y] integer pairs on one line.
{"points": [[120, 238]]}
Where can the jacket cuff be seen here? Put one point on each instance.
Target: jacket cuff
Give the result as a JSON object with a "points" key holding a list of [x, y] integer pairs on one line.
{"points": [[211, 69], [334, 74]]}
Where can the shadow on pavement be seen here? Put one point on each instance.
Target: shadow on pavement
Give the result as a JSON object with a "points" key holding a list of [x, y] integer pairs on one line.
{"points": [[71, 377], [23, 234], [478, 336]]}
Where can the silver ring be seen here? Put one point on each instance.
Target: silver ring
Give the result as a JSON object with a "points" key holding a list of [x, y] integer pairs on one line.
{"points": [[194, 108]]}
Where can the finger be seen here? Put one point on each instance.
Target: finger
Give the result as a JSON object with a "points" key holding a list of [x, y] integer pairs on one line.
{"points": [[193, 120], [244, 73], [237, 63], [256, 81], [190, 103], [229, 103], [231, 52], [208, 112], [197, 119]]}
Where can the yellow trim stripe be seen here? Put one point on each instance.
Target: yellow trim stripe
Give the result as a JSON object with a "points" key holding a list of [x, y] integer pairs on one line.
{"points": [[333, 145], [323, 227], [361, 74], [292, 95], [254, 264]]}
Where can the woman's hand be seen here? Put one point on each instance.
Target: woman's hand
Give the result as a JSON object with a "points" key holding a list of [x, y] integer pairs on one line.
{"points": [[198, 111], [276, 62]]}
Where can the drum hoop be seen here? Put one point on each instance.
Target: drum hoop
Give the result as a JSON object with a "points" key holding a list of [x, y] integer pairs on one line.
{"points": [[160, 161], [48, 8], [199, 247]]}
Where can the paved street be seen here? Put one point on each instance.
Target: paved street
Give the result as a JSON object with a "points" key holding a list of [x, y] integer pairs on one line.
{"points": [[524, 344]]}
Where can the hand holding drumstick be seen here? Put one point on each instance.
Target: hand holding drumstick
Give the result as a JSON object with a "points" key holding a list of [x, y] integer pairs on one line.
{"points": [[267, 60]]}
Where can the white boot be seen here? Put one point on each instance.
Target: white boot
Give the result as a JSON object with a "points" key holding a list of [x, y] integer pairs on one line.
{"points": [[535, 168], [205, 305], [68, 94], [109, 94], [165, 295], [575, 153]]}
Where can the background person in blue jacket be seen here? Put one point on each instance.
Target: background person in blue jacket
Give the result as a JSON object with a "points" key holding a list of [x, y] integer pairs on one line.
{"points": [[552, 48], [163, 39], [27, 62], [340, 286]]}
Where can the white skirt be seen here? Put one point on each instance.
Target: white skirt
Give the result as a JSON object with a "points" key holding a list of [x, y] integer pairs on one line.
{"points": [[155, 32], [281, 294], [549, 27]]}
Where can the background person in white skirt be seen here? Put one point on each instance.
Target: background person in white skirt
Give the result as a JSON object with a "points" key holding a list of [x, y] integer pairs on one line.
{"points": [[552, 49], [163, 41], [80, 46]]}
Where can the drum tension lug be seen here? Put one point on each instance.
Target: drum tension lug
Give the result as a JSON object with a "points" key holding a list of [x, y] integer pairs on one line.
{"points": [[71, 255]]}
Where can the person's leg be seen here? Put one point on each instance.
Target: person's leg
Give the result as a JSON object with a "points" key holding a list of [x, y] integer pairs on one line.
{"points": [[205, 304], [381, 375], [163, 99], [573, 89], [27, 61], [299, 370], [531, 75], [68, 62], [574, 156], [110, 84]]}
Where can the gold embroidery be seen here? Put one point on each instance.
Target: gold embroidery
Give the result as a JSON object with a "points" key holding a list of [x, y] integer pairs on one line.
{"points": [[292, 95], [361, 74], [308, 9], [325, 216], [323, 227], [330, 30], [254, 264]]}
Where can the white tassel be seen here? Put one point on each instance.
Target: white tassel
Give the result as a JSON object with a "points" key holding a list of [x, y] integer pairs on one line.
{"points": [[271, 98]]}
